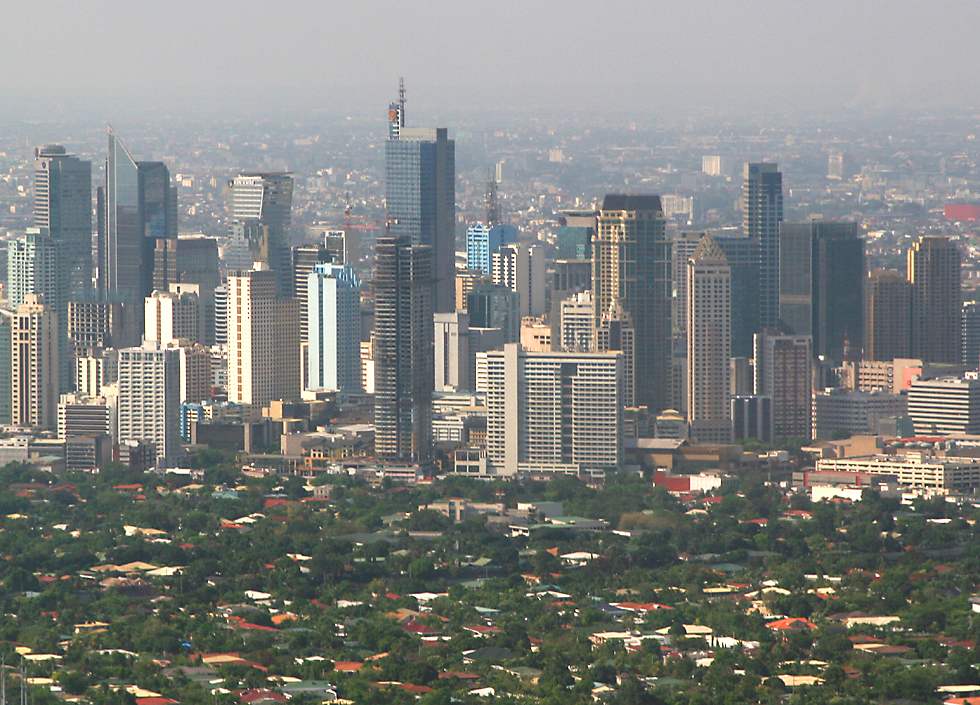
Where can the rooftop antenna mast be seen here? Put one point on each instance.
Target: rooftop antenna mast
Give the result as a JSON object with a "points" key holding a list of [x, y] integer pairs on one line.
{"points": [[401, 98]]}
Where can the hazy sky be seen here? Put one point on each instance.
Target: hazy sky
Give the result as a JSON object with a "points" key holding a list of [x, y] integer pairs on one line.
{"points": [[345, 57]]}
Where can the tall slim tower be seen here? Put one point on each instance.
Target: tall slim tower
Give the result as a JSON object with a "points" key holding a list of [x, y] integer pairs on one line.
{"points": [[783, 373], [420, 195], [631, 270], [933, 270], [762, 211], [263, 339], [709, 320], [34, 364], [403, 354], [520, 268], [138, 205], [333, 305], [63, 205], [887, 316]]}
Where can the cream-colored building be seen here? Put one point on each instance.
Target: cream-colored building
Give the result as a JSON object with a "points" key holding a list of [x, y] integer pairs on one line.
{"points": [[709, 322], [913, 469], [263, 339], [34, 364]]}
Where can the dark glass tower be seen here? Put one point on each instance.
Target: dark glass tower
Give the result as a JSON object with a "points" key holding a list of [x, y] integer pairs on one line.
{"points": [[137, 206], [420, 194], [403, 353], [762, 211], [63, 205], [631, 270], [822, 276]]}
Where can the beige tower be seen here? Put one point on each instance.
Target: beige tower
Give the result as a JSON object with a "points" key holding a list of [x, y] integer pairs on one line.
{"points": [[34, 365], [263, 339], [709, 343]]}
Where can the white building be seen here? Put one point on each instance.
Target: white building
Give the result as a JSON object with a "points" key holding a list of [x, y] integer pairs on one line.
{"points": [[577, 320], [553, 412], [333, 310], [263, 339], [451, 353], [81, 415], [149, 398], [521, 268], [172, 315], [944, 407]]}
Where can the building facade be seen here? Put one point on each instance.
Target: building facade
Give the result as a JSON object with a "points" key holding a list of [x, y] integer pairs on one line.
{"points": [[333, 312]]}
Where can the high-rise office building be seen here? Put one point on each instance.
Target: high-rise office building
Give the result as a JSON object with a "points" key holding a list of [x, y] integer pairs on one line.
{"points": [[63, 205], [631, 269], [752, 418], [970, 335], [263, 339], [762, 211], [403, 355], [784, 374], [95, 324], [305, 259], [821, 280], [887, 316], [34, 364], [553, 412], [172, 315], [221, 314], [137, 206], [451, 353], [420, 196], [520, 268], [576, 323], [709, 343], [482, 241], [566, 278], [576, 230], [261, 211], [333, 309], [149, 398], [616, 334], [933, 271], [491, 306], [190, 260]]}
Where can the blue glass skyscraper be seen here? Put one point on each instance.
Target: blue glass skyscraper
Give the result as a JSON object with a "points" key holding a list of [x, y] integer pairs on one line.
{"points": [[482, 242]]}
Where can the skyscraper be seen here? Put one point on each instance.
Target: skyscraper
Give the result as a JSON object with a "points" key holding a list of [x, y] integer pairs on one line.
{"points": [[452, 357], [576, 325], [482, 241], [709, 343], [172, 315], [553, 412], [138, 205], [933, 271], [970, 334], [261, 211], [403, 355], [333, 309], [263, 339], [305, 259], [762, 211], [149, 398], [520, 268], [822, 276], [34, 364], [783, 373], [631, 269], [887, 316], [420, 195], [190, 260], [63, 205]]}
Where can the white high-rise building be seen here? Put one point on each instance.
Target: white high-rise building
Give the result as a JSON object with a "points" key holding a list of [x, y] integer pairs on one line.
{"points": [[709, 320], [34, 364], [451, 353], [521, 268], [172, 315], [945, 406], [263, 339], [553, 412], [82, 415], [577, 320], [149, 398], [333, 310]]}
